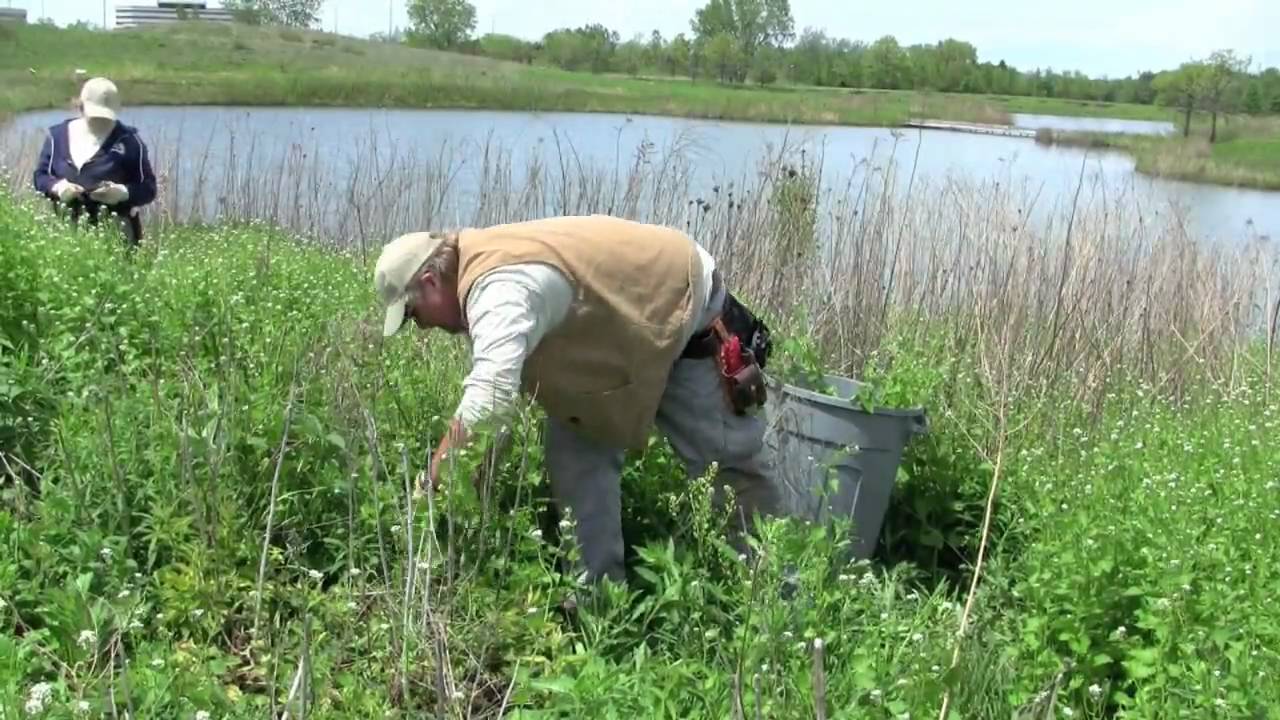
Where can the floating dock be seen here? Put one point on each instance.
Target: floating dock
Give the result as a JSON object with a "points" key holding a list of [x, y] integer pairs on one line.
{"points": [[977, 128]]}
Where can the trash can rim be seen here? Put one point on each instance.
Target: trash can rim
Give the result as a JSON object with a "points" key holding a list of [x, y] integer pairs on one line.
{"points": [[840, 402]]}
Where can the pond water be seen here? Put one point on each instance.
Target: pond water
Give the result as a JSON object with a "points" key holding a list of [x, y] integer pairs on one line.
{"points": [[1092, 124], [340, 144]]}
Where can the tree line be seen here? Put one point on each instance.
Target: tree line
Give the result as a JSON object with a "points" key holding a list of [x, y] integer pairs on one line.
{"points": [[755, 41]]}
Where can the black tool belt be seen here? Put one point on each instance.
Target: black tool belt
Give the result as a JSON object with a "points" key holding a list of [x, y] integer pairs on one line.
{"points": [[745, 387]]}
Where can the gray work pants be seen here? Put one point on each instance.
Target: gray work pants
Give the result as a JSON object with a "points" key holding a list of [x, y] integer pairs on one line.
{"points": [[697, 420]]}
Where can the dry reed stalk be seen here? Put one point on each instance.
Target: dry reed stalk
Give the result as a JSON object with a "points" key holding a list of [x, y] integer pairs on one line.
{"points": [[1096, 285], [271, 505]]}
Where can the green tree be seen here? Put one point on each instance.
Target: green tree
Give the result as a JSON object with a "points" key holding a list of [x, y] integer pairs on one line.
{"points": [[441, 23], [630, 56], [679, 56], [289, 13], [885, 64], [589, 47], [724, 57], [1180, 89], [506, 47], [655, 52], [956, 61], [715, 18], [765, 66], [812, 59], [1253, 99], [750, 24], [1221, 72]]}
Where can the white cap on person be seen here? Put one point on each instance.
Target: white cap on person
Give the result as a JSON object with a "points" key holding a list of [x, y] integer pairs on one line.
{"points": [[100, 98], [396, 268]]}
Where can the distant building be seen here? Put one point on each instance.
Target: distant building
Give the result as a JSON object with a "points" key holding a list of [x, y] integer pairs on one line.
{"points": [[167, 11], [13, 15]]}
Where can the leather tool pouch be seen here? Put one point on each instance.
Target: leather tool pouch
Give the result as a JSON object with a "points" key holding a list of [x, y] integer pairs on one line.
{"points": [[745, 385]]}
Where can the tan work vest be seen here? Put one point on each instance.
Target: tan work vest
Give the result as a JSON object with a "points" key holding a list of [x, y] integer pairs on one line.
{"points": [[603, 370]]}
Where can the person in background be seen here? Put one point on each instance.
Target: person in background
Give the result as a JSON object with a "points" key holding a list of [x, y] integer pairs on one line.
{"points": [[94, 161]]}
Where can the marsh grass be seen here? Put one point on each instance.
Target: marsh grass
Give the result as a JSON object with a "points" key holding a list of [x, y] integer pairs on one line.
{"points": [[210, 459], [1245, 154], [1089, 283]]}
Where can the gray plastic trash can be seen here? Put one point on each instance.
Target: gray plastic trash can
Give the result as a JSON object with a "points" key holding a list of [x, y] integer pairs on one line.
{"points": [[834, 459]]}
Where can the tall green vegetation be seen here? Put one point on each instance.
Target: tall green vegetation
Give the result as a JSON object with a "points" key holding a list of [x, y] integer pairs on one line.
{"points": [[207, 505], [206, 500]]}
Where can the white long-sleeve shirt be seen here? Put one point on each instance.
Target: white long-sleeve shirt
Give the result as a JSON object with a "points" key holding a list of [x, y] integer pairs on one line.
{"points": [[83, 142], [509, 311]]}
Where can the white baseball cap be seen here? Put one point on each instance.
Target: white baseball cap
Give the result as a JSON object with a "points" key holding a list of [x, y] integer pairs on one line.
{"points": [[100, 98], [396, 268]]}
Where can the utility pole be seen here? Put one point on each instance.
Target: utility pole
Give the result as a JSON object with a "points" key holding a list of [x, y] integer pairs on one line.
{"points": [[390, 4], [104, 14]]}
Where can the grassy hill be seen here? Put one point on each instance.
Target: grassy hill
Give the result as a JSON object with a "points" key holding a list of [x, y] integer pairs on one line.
{"points": [[213, 63]]}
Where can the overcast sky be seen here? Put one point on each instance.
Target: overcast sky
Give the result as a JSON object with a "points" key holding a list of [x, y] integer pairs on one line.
{"points": [[1098, 37]]}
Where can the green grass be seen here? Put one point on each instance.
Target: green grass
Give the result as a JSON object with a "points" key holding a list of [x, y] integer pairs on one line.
{"points": [[1246, 154], [1262, 154], [219, 64], [1083, 108], [168, 415]]}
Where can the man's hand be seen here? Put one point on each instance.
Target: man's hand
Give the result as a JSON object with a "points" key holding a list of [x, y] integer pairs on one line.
{"points": [[454, 439], [110, 194], [67, 190]]}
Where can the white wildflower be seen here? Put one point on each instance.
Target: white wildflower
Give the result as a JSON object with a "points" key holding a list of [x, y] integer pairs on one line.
{"points": [[536, 534], [876, 695], [123, 594], [202, 715], [315, 574], [157, 663], [1068, 712], [354, 571], [38, 698], [87, 639], [82, 707], [106, 553], [532, 610], [1095, 691]]}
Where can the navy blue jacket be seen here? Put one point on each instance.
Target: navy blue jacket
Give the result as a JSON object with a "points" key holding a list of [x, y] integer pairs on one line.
{"points": [[121, 159]]}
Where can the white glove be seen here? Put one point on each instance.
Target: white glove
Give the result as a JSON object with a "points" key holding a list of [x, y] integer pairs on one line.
{"points": [[67, 191], [110, 194]]}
